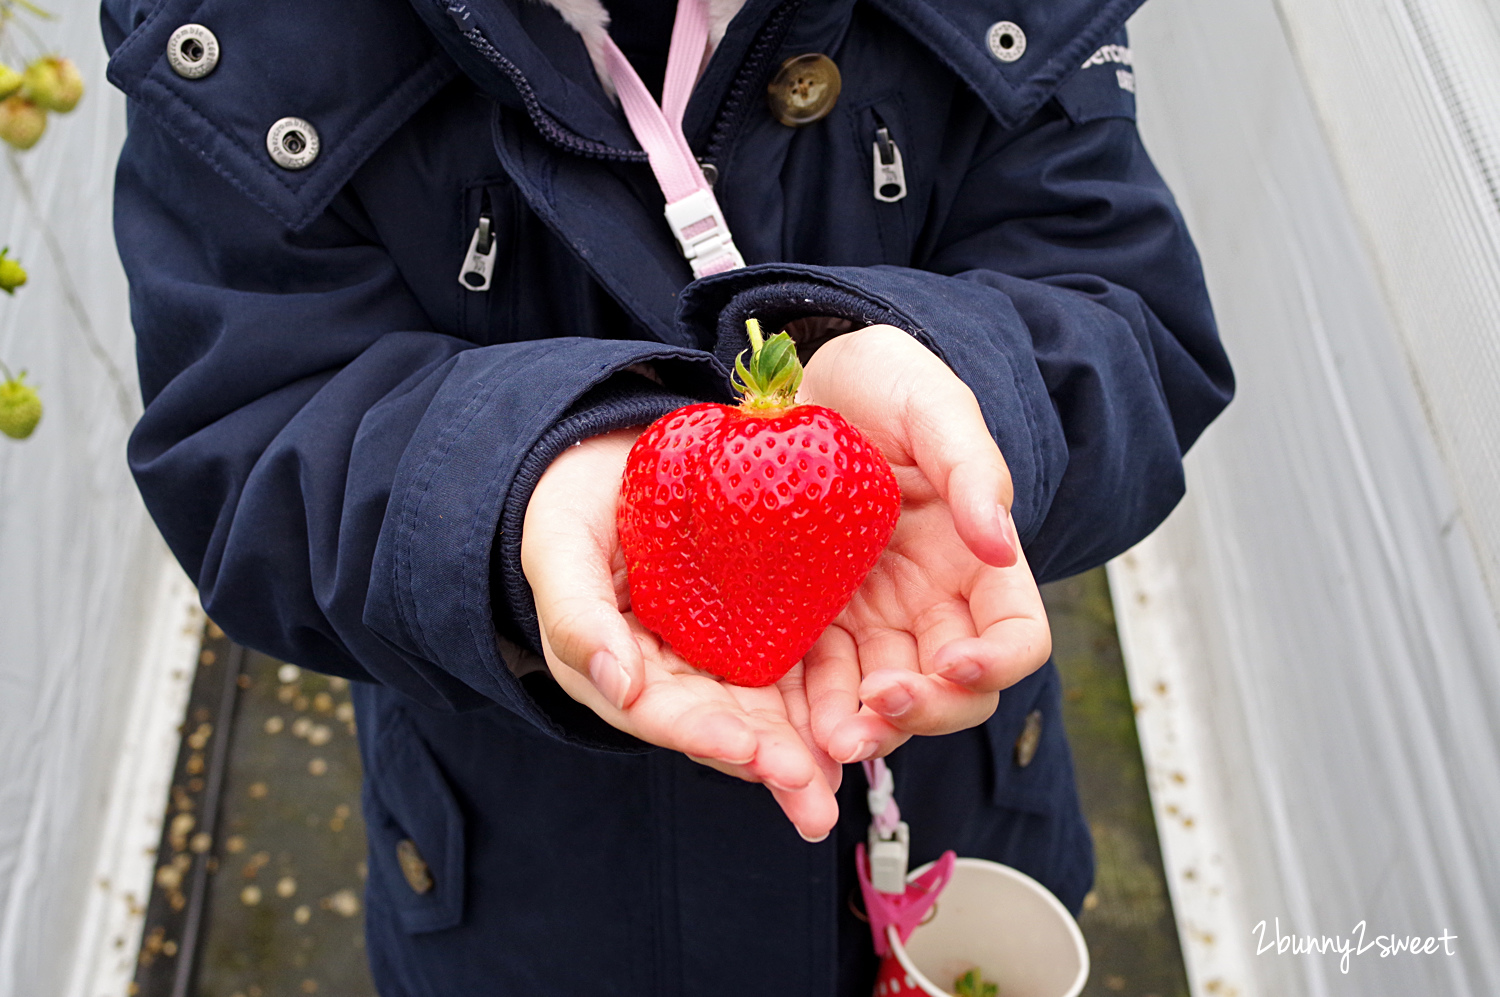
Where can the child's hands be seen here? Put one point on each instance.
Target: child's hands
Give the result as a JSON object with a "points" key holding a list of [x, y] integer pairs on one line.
{"points": [[951, 614], [606, 660]]}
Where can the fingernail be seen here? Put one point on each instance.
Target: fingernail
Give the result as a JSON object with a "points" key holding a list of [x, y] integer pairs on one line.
{"points": [[892, 702], [862, 750], [1008, 534], [963, 672], [609, 677], [811, 841], [788, 789]]}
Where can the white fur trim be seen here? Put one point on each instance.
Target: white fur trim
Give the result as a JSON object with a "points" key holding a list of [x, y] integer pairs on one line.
{"points": [[720, 13], [591, 21]]}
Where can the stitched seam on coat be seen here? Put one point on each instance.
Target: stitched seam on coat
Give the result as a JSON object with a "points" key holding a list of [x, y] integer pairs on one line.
{"points": [[533, 432], [470, 588], [547, 211], [919, 332], [912, 326], [137, 36], [542, 119], [1038, 486], [1030, 94], [416, 88], [364, 139], [412, 502], [214, 162], [639, 410]]}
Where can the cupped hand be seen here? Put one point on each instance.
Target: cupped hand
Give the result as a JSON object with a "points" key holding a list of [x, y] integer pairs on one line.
{"points": [[950, 614], [601, 655]]}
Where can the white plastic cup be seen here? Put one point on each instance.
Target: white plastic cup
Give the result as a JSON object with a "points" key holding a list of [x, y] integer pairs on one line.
{"points": [[1004, 922]]}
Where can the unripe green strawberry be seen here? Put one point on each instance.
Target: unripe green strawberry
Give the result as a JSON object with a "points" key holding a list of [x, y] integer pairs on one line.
{"points": [[747, 530], [12, 274], [54, 84], [20, 407], [10, 81], [21, 122]]}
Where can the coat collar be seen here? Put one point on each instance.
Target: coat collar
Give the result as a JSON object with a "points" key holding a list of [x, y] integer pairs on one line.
{"points": [[358, 71], [543, 55], [1060, 36]]}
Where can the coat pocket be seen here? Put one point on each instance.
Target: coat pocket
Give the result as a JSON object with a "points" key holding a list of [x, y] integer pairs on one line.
{"points": [[880, 134], [488, 243], [1032, 766], [416, 830]]}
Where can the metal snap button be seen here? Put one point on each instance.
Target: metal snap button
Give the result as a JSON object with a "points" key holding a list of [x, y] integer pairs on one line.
{"points": [[413, 867], [292, 143], [1030, 739], [804, 90], [1006, 40], [192, 51]]}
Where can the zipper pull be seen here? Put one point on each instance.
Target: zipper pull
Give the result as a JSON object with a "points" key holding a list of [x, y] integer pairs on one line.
{"points": [[480, 262], [890, 174]]}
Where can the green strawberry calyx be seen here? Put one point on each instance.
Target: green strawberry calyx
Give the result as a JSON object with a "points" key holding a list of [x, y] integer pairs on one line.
{"points": [[768, 384]]}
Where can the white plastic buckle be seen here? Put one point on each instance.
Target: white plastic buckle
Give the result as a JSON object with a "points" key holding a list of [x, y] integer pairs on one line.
{"points": [[889, 858], [702, 234]]}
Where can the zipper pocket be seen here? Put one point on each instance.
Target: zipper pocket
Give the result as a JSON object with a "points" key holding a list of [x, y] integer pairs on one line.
{"points": [[888, 170], [479, 262]]}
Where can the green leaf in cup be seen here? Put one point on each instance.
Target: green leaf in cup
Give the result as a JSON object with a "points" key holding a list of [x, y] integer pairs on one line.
{"points": [[972, 984]]}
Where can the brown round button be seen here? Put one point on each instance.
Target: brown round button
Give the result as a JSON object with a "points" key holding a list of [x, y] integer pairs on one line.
{"points": [[413, 867], [804, 90]]}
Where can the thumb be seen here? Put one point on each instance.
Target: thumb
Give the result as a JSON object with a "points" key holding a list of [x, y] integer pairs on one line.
{"points": [[590, 636], [566, 555], [953, 449]]}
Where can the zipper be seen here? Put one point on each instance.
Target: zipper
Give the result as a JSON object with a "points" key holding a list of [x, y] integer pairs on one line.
{"points": [[731, 110], [545, 123], [479, 262], [888, 170], [749, 81]]}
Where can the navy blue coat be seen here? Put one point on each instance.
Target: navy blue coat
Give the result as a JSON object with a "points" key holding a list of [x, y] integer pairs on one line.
{"points": [[340, 440]]}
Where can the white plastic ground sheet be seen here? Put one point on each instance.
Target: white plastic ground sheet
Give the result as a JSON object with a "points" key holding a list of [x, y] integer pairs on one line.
{"points": [[84, 581], [1311, 638]]}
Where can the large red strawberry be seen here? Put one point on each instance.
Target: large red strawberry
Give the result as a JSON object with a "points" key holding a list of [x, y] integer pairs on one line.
{"points": [[747, 529]]}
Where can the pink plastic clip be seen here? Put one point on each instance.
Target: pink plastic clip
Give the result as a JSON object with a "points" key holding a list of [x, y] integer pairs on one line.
{"points": [[902, 911]]}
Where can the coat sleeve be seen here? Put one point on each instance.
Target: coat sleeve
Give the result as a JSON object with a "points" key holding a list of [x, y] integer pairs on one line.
{"points": [[327, 467], [1060, 283]]}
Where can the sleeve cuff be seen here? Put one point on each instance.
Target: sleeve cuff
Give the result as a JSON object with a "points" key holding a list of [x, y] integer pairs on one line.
{"points": [[973, 328], [477, 454], [627, 399]]}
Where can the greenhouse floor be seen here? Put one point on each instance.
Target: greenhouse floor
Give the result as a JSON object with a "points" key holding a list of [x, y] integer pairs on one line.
{"points": [[260, 872]]}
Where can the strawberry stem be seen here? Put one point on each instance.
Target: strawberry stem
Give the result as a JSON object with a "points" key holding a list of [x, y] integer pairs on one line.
{"points": [[769, 383]]}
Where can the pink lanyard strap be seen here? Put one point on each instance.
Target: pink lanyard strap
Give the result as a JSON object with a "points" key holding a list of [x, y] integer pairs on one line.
{"points": [[884, 813], [692, 210], [893, 903]]}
